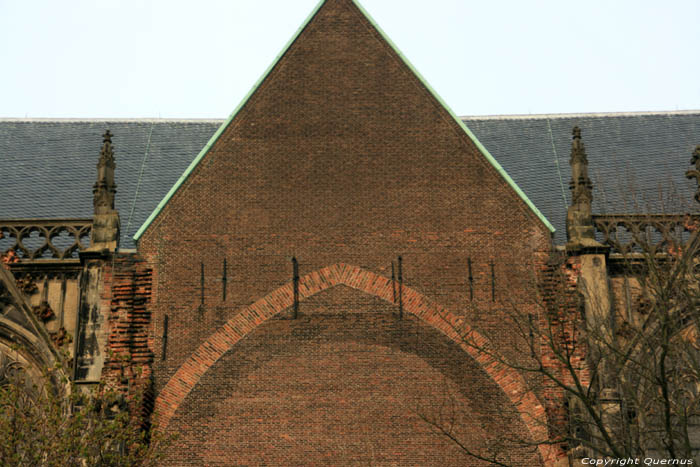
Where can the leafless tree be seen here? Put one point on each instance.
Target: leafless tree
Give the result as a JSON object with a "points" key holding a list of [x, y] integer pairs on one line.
{"points": [[616, 381]]}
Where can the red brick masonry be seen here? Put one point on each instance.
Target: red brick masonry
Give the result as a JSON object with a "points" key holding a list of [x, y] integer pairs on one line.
{"points": [[127, 367], [179, 386]]}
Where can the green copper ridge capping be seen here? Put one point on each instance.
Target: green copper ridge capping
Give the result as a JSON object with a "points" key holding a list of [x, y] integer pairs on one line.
{"points": [[224, 125], [221, 129], [485, 152]]}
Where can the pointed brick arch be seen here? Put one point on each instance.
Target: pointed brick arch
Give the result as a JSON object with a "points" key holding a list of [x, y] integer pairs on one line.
{"points": [[249, 318]]}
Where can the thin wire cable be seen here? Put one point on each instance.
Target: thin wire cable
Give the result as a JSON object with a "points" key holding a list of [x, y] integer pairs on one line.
{"points": [[138, 182], [556, 162]]}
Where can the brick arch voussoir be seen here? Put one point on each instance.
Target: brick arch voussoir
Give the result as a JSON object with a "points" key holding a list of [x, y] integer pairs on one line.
{"points": [[249, 318]]}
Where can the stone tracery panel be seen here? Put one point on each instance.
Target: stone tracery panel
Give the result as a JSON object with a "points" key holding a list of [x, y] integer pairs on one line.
{"points": [[45, 238], [10, 369], [16, 367], [655, 233]]}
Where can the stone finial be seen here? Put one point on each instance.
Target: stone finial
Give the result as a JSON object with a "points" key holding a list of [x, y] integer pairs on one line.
{"points": [[579, 221], [576, 131], [695, 173], [580, 184], [105, 226], [104, 189]]}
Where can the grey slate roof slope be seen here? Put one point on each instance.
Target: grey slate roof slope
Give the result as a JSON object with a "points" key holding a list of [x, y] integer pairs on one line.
{"points": [[47, 167], [637, 161]]}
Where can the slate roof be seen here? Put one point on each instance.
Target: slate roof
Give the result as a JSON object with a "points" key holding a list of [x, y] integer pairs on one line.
{"points": [[47, 167], [637, 161]]}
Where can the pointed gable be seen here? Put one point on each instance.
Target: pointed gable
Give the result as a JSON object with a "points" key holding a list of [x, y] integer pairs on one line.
{"points": [[340, 86], [341, 154]]}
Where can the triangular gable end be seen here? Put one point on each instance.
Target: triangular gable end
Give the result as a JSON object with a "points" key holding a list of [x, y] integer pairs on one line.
{"points": [[482, 149]]}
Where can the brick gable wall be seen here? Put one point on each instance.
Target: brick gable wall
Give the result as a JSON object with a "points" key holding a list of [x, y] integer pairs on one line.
{"points": [[341, 155]]}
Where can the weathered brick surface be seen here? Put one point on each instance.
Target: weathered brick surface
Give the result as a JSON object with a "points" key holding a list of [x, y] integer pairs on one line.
{"points": [[342, 385], [341, 156], [129, 358], [566, 345], [452, 328]]}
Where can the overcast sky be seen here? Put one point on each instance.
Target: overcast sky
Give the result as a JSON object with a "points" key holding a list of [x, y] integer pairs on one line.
{"points": [[198, 59]]}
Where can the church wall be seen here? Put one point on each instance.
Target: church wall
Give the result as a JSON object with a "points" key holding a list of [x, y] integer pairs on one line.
{"points": [[346, 382], [63, 299], [92, 331], [337, 158], [54, 291], [341, 155], [128, 352]]}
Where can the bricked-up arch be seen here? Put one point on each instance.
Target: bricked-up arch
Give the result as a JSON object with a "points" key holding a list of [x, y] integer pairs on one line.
{"points": [[249, 318]]}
